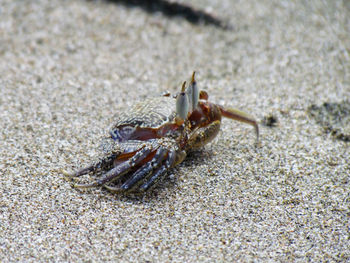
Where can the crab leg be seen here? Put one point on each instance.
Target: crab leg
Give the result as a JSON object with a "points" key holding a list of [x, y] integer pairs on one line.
{"points": [[119, 170], [158, 172], [133, 182], [158, 158], [153, 180], [242, 117], [99, 165], [107, 163]]}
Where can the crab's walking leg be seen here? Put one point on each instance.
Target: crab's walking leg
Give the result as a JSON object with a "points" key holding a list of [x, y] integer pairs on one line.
{"points": [[106, 164], [146, 169], [154, 178], [132, 183], [119, 170], [242, 117], [102, 164]]}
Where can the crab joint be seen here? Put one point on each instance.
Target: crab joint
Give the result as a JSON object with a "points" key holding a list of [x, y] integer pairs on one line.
{"points": [[182, 103]]}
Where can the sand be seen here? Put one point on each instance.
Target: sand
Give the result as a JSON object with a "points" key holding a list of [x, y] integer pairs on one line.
{"points": [[67, 68]]}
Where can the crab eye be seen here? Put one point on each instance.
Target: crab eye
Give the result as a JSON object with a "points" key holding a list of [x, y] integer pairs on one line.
{"points": [[189, 92], [195, 92], [182, 103]]}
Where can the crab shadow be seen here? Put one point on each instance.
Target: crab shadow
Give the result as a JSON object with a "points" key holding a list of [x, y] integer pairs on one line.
{"points": [[173, 9]]}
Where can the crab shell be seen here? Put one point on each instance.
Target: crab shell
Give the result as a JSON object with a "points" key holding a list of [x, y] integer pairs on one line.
{"points": [[145, 120], [150, 138]]}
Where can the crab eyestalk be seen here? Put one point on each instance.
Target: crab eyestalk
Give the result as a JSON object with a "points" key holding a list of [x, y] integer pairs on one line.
{"points": [[182, 103], [193, 93]]}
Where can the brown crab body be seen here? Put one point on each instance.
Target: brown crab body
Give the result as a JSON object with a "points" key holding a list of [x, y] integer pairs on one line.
{"points": [[151, 138]]}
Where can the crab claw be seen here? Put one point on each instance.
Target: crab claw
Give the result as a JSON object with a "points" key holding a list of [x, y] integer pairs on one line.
{"points": [[182, 103]]}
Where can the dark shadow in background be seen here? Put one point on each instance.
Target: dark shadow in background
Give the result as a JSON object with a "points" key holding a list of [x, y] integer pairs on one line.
{"points": [[172, 9]]}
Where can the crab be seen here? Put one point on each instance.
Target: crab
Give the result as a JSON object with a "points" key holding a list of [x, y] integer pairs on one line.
{"points": [[154, 136]]}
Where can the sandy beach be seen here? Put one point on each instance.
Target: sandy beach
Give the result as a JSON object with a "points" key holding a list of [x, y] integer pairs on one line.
{"points": [[67, 68]]}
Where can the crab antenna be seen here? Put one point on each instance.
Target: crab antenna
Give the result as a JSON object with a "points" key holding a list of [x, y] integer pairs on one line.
{"points": [[182, 103]]}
